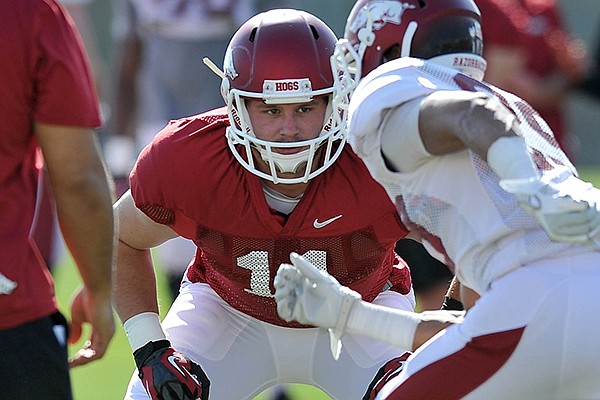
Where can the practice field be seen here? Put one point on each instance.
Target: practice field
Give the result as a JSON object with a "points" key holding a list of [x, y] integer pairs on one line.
{"points": [[107, 379]]}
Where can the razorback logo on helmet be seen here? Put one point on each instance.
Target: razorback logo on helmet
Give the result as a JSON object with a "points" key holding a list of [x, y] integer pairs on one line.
{"points": [[380, 12]]}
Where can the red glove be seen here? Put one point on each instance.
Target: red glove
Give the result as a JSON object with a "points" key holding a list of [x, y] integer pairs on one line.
{"points": [[168, 375], [390, 370]]}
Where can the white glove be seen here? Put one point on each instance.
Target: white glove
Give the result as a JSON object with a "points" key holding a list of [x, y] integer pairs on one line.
{"points": [[307, 295], [568, 210]]}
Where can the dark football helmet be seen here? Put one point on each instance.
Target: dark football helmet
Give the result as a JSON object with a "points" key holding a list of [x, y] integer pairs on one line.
{"points": [[281, 56], [443, 31]]}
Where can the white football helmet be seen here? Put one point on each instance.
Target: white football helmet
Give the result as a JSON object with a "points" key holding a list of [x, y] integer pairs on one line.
{"points": [[282, 57]]}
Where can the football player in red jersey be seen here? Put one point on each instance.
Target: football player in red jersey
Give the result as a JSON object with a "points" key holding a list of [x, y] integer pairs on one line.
{"points": [[477, 174], [249, 183]]}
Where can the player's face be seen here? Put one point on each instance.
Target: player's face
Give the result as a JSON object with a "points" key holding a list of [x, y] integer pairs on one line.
{"points": [[287, 122]]}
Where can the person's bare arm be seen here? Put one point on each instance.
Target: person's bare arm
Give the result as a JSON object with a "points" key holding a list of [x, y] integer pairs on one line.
{"points": [[450, 121], [135, 281], [126, 94], [137, 306], [462, 294], [83, 198]]}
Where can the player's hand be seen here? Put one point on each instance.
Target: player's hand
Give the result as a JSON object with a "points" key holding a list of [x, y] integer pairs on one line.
{"points": [[307, 295], [95, 309], [390, 370], [568, 210], [168, 375]]}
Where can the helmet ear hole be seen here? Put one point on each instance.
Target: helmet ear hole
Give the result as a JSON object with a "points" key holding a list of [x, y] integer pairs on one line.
{"points": [[252, 35], [391, 54], [314, 31]]}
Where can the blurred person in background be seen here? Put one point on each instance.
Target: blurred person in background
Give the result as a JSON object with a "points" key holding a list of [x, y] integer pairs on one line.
{"points": [[50, 109], [531, 53]]}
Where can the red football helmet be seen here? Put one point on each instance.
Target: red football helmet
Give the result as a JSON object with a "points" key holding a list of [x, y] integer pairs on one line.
{"points": [[443, 31], [281, 56]]}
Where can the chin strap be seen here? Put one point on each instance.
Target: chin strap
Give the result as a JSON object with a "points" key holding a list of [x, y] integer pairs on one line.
{"points": [[286, 163]]}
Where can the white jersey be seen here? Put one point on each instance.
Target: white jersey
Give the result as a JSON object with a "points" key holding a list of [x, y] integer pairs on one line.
{"points": [[454, 201]]}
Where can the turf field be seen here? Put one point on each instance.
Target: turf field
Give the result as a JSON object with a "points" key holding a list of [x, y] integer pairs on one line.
{"points": [[107, 379]]}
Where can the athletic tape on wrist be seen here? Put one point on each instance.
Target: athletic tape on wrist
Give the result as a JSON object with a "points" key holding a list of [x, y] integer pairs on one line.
{"points": [[143, 328], [385, 324]]}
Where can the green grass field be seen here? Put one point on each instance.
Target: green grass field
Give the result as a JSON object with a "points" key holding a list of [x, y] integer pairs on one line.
{"points": [[107, 379]]}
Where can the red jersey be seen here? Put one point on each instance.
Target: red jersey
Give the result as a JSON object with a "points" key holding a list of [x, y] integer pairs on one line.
{"points": [[45, 78], [188, 179]]}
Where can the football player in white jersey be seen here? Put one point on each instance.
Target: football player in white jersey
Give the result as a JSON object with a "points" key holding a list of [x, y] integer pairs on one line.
{"points": [[477, 176]]}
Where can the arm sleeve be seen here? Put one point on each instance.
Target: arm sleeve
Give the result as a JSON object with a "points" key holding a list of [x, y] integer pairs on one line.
{"points": [[401, 142]]}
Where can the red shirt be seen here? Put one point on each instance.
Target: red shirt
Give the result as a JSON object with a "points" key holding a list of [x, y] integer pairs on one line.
{"points": [[44, 77], [188, 179], [532, 25]]}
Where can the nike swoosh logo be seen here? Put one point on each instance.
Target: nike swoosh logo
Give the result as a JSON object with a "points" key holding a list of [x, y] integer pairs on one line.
{"points": [[320, 225], [173, 362]]}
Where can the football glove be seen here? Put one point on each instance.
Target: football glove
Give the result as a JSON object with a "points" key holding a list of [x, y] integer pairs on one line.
{"points": [[307, 295], [568, 209], [390, 370], [168, 375]]}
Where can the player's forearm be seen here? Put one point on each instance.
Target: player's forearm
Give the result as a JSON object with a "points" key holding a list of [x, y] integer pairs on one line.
{"points": [[389, 325], [134, 286], [135, 296], [84, 209], [126, 98], [404, 329]]}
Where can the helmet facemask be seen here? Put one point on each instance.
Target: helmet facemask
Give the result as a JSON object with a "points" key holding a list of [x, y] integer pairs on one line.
{"points": [[241, 139]]}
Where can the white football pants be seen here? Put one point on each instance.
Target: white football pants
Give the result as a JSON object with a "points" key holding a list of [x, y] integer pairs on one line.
{"points": [[243, 356]]}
